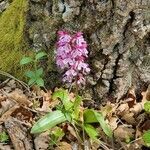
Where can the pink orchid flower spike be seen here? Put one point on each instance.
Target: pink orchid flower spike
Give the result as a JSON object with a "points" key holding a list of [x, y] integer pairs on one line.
{"points": [[71, 55]]}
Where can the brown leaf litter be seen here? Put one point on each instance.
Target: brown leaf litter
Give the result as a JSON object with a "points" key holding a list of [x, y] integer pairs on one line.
{"points": [[19, 109]]}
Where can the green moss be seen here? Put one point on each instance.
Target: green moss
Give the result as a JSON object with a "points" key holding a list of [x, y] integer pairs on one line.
{"points": [[12, 38]]}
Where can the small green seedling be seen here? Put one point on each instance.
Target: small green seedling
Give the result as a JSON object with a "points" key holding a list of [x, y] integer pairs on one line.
{"points": [[4, 137], [35, 75], [147, 106], [146, 138]]}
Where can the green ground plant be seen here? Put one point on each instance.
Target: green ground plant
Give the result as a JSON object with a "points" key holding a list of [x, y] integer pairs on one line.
{"points": [[55, 136], [35, 75], [146, 134], [4, 137], [146, 138], [69, 111]]}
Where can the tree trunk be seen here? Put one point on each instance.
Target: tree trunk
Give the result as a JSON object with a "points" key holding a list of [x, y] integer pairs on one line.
{"points": [[118, 37]]}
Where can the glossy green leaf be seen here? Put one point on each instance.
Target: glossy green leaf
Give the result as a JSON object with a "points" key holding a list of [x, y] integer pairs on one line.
{"points": [[106, 128], [40, 82], [76, 106], [48, 121], [63, 95], [68, 116], [30, 74], [26, 60], [40, 55], [31, 81], [4, 137], [91, 131], [91, 116], [55, 136], [77, 102], [147, 106], [146, 138], [58, 133], [39, 72]]}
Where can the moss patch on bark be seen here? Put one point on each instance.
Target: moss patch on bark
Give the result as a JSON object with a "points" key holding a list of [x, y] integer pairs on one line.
{"points": [[12, 37]]}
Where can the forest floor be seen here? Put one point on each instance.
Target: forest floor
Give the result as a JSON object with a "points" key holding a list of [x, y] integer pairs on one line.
{"points": [[21, 107]]}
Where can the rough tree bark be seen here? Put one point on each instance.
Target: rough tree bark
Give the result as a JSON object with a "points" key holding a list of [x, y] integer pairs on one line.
{"points": [[118, 35]]}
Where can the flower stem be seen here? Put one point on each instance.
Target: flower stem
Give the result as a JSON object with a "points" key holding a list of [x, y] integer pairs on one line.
{"points": [[76, 88]]}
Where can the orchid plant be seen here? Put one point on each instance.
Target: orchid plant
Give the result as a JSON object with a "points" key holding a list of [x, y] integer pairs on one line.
{"points": [[71, 57]]}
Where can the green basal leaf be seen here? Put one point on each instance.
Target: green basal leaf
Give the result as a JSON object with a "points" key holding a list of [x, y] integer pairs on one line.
{"points": [[107, 130], [39, 72], [146, 138], [40, 82], [48, 121], [26, 60], [147, 106], [63, 95], [91, 116], [40, 55], [30, 74], [127, 139], [58, 133], [68, 116], [31, 81], [55, 136], [91, 131], [76, 106], [77, 102]]}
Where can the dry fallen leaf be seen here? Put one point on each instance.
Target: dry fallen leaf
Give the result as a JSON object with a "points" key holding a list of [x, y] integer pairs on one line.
{"points": [[12, 84], [45, 98], [108, 109], [8, 113], [2, 98], [64, 146], [18, 134], [146, 125], [131, 98], [19, 97], [113, 123], [95, 145], [146, 95], [5, 105], [138, 133], [129, 118], [22, 114], [123, 132], [5, 147], [122, 109], [137, 145], [41, 141], [45, 107], [46, 95], [1, 128], [72, 131], [137, 108], [54, 103]]}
